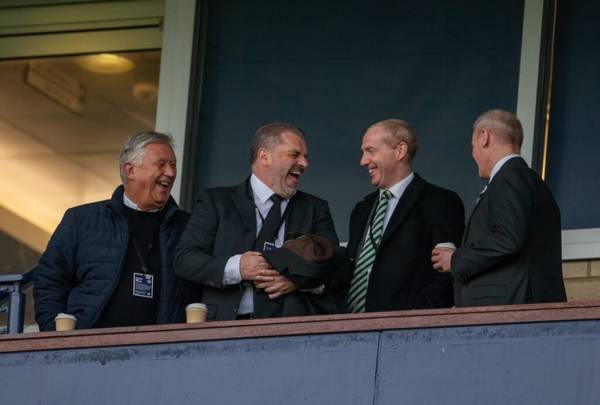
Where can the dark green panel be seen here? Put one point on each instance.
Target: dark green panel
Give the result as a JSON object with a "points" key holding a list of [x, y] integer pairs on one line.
{"points": [[335, 67]]}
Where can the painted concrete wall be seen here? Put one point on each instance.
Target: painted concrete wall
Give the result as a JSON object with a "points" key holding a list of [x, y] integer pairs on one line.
{"points": [[542, 363]]}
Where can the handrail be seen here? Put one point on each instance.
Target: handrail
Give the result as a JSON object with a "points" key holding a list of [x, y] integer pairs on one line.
{"points": [[11, 290]]}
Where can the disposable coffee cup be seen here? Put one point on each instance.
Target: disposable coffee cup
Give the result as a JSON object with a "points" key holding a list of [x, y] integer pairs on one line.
{"points": [[446, 245], [195, 313], [65, 322]]}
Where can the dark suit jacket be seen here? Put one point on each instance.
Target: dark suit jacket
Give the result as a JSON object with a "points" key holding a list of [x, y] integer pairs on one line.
{"points": [[402, 276], [511, 251], [223, 224]]}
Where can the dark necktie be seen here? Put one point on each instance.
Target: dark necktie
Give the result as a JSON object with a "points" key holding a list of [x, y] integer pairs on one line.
{"points": [[271, 224]]}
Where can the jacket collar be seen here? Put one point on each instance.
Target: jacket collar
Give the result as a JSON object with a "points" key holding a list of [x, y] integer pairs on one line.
{"points": [[500, 164], [411, 195], [244, 201], [116, 203], [294, 218]]}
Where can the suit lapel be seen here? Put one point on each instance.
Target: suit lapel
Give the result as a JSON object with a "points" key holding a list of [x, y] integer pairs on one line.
{"points": [[360, 222], [513, 161], [364, 211], [242, 198], [293, 215], [409, 198], [466, 232]]}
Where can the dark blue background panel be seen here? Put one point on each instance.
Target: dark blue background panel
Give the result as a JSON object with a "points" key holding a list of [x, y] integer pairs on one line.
{"points": [[574, 140], [333, 68]]}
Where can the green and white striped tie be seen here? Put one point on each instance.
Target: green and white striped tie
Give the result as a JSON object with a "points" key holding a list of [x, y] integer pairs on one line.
{"points": [[360, 279]]}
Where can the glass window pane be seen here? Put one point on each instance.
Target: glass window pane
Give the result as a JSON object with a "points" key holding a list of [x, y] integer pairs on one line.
{"points": [[63, 121], [573, 165]]}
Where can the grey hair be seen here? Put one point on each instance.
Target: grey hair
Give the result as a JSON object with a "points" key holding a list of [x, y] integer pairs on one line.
{"points": [[505, 124], [134, 149], [398, 131], [268, 136]]}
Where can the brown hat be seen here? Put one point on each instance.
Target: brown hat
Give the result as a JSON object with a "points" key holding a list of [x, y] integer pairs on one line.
{"points": [[312, 248], [303, 259]]}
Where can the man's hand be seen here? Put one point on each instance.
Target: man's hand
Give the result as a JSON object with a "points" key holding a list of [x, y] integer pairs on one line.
{"points": [[275, 286], [442, 259], [253, 265]]}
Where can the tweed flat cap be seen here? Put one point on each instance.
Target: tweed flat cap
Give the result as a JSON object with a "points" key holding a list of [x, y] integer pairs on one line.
{"points": [[303, 259]]}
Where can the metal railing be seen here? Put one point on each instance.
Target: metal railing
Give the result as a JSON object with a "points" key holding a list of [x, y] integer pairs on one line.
{"points": [[12, 299]]}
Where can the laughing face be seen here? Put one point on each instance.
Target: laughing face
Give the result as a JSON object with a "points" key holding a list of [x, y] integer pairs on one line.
{"points": [[285, 164], [149, 184], [380, 159]]}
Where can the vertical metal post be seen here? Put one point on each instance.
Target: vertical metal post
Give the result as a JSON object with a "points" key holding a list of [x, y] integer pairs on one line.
{"points": [[16, 309]]}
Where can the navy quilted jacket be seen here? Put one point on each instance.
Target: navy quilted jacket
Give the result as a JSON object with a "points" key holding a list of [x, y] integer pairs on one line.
{"points": [[82, 264]]}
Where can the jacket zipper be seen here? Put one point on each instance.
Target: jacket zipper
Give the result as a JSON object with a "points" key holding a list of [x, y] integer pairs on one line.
{"points": [[119, 272]]}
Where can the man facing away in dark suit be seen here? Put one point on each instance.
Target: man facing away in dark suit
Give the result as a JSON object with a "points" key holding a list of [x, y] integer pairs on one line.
{"points": [[511, 250], [221, 247], [393, 230]]}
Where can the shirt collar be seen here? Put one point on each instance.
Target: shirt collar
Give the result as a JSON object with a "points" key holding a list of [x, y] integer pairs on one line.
{"points": [[499, 165], [398, 189], [260, 189], [130, 204]]}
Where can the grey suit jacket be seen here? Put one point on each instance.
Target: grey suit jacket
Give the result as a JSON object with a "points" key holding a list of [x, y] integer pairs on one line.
{"points": [[223, 224], [511, 250]]}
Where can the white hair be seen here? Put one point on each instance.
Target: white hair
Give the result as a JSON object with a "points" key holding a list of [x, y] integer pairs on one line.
{"points": [[134, 149]]}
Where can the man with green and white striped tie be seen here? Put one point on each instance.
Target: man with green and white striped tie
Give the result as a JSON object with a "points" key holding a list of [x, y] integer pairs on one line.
{"points": [[393, 230]]}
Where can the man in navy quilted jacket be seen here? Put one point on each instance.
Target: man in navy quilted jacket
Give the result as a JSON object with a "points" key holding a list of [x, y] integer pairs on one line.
{"points": [[110, 263]]}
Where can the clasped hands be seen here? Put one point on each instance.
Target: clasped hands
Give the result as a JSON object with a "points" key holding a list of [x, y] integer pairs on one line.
{"points": [[442, 259], [254, 267]]}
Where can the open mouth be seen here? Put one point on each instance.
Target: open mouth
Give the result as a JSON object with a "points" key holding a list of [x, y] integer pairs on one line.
{"points": [[294, 175], [164, 185]]}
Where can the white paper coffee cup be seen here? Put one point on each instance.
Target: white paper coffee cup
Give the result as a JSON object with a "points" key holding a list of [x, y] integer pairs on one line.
{"points": [[64, 322], [195, 313]]}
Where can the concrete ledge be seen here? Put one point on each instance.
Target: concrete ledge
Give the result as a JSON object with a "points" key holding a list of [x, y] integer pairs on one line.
{"points": [[313, 325]]}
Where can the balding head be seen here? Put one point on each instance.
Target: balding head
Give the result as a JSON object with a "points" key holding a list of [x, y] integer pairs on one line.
{"points": [[397, 131], [504, 124], [496, 134]]}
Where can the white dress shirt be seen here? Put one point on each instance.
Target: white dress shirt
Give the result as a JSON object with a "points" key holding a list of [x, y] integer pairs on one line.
{"points": [[495, 170], [130, 204], [262, 201], [499, 165]]}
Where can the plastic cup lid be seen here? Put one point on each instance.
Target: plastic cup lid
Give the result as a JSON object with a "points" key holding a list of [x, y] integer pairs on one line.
{"points": [[197, 305], [65, 316]]}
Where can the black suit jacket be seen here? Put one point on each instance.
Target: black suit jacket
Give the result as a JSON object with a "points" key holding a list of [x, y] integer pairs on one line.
{"points": [[223, 224], [402, 276], [511, 251]]}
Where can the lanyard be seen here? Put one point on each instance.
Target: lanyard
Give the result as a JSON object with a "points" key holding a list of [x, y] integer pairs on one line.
{"points": [[262, 219], [250, 194], [143, 258]]}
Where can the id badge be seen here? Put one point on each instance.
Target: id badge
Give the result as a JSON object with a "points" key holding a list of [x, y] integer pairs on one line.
{"points": [[143, 285], [268, 246]]}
